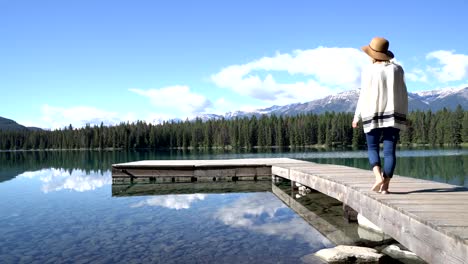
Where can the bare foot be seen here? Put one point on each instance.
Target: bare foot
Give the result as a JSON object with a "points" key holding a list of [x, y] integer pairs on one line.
{"points": [[379, 179], [385, 185], [377, 186]]}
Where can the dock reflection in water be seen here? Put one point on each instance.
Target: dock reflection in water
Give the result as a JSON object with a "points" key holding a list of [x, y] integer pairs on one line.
{"points": [[326, 215], [322, 212], [190, 188]]}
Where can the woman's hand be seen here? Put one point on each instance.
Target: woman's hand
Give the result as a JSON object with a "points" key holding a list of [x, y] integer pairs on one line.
{"points": [[355, 124]]}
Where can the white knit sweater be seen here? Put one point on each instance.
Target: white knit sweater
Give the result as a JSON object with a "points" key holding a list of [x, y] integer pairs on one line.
{"points": [[383, 100]]}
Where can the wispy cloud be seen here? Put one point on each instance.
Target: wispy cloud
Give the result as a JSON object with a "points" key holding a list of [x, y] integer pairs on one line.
{"points": [[177, 100], [60, 117], [325, 70], [453, 67], [416, 75]]}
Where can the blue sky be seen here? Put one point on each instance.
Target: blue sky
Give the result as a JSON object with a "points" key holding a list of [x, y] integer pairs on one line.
{"points": [[78, 62]]}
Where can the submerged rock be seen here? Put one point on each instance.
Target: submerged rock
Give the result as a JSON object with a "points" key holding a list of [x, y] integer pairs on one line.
{"points": [[304, 190], [400, 253], [348, 254]]}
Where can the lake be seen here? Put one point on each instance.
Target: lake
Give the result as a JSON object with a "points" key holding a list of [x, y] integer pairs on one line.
{"points": [[58, 207]]}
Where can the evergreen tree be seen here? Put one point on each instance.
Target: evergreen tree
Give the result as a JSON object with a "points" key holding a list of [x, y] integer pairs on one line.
{"points": [[457, 126], [441, 127], [465, 127]]}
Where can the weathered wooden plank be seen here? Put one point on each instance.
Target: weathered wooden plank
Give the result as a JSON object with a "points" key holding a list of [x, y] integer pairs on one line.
{"points": [[427, 194], [462, 232], [442, 213], [434, 208], [427, 189], [218, 162], [440, 223], [426, 202], [445, 215]]}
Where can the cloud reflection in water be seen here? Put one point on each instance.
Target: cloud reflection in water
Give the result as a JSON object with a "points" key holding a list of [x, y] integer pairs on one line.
{"points": [[76, 180], [264, 214], [181, 201]]}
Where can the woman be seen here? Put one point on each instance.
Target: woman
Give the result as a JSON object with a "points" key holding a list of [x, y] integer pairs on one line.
{"points": [[382, 106]]}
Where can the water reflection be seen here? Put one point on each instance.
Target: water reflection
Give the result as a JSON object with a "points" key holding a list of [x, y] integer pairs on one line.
{"points": [[140, 189], [75, 180], [181, 201], [262, 214], [78, 221], [244, 212]]}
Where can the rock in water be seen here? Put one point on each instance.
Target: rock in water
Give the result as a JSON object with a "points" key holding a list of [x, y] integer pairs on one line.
{"points": [[397, 252], [349, 254]]}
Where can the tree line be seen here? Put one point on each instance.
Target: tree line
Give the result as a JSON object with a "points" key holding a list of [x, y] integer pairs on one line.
{"points": [[328, 129]]}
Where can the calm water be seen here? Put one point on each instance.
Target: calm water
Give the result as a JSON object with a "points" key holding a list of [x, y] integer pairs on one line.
{"points": [[57, 207]]}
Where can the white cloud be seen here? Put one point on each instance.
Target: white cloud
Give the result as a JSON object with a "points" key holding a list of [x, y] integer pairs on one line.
{"points": [[454, 67], [173, 201], [76, 180], [326, 71], [177, 100], [416, 75], [78, 116]]}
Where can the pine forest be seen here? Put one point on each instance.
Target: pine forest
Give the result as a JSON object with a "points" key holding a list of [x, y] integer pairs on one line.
{"points": [[444, 127]]}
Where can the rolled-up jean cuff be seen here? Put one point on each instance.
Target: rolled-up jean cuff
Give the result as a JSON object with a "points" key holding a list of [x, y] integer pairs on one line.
{"points": [[375, 164]]}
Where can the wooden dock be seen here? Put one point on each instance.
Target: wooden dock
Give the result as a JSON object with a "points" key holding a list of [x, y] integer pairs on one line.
{"points": [[429, 218]]}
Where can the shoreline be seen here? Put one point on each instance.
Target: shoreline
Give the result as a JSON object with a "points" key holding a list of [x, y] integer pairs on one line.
{"points": [[230, 148]]}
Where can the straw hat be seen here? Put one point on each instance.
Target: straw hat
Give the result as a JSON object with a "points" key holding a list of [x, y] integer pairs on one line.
{"points": [[378, 49]]}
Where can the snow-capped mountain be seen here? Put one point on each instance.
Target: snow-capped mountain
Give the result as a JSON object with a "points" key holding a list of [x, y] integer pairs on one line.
{"points": [[433, 95], [206, 117], [346, 102], [448, 98]]}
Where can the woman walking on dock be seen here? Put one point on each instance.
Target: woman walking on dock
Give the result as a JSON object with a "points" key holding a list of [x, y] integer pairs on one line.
{"points": [[382, 107]]}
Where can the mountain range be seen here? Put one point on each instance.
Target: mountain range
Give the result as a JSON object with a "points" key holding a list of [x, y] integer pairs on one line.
{"points": [[342, 102], [346, 102]]}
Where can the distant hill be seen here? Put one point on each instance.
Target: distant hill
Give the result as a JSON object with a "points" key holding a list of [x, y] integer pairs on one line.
{"points": [[8, 124], [34, 128], [11, 125]]}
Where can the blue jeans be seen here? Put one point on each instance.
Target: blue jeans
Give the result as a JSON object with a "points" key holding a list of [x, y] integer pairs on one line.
{"points": [[389, 137]]}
